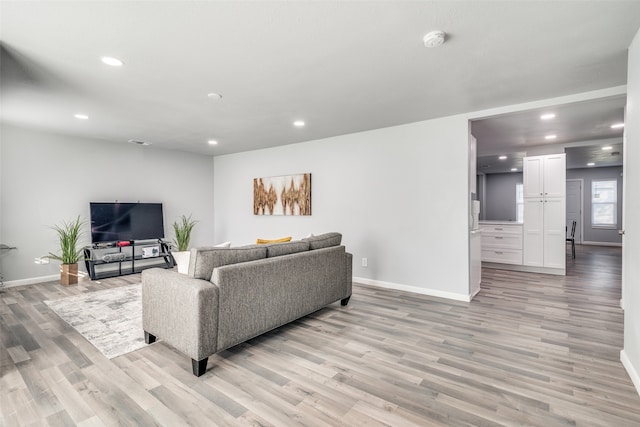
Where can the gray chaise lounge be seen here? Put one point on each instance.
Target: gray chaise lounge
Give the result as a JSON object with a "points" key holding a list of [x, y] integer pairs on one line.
{"points": [[233, 294]]}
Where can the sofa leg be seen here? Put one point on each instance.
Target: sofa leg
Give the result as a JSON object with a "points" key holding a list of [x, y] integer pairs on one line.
{"points": [[199, 366], [149, 338], [345, 301]]}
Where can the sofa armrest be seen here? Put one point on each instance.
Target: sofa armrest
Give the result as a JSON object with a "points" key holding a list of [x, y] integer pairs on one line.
{"points": [[181, 311], [349, 278]]}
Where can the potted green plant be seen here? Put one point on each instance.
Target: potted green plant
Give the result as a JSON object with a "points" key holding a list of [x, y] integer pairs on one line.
{"points": [[69, 234], [182, 230]]}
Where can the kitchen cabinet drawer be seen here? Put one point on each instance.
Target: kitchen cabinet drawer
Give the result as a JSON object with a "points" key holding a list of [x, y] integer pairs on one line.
{"points": [[501, 229], [504, 240], [504, 256]]}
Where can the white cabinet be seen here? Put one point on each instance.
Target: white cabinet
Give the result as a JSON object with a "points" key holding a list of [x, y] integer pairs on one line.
{"points": [[544, 211], [544, 176], [533, 229], [502, 243]]}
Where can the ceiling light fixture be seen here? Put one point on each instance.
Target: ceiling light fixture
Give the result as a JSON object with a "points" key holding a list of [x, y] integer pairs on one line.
{"points": [[81, 116], [502, 158], [617, 125], [550, 137], [213, 142], [591, 164], [214, 96], [114, 62], [298, 123], [434, 38], [607, 148], [547, 116], [514, 169], [135, 141]]}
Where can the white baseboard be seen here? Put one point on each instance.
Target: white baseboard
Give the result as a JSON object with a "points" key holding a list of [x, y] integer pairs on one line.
{"points": [[414, 289], [525, 268], [631, 370], [31, 281], [587, 243]]}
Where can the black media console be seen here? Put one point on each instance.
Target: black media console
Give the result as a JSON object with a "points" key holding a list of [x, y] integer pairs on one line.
{"points": [[119, 258]]}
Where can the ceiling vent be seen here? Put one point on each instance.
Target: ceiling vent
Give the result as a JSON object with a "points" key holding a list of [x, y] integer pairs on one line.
{"points": [[135, 141]]}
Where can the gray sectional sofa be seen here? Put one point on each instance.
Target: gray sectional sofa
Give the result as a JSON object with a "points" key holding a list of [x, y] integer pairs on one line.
{"points": [[233, 294]]}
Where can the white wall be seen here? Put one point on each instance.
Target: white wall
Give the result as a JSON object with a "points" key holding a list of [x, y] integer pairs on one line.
{"points": [[47, 179], [398, 195], [631, 242]]}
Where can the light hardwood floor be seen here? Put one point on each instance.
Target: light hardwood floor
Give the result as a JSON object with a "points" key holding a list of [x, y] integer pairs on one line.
{"points": [[530, 349]]}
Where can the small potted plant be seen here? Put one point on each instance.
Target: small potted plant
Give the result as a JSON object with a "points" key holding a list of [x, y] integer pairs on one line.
{"points": [[182, 230], [69, 233]]}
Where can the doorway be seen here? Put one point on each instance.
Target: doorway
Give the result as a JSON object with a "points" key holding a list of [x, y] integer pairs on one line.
{"points": [[574, 207]]}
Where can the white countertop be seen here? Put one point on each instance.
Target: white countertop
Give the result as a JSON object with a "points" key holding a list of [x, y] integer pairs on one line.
{"points": [[495, 222]]}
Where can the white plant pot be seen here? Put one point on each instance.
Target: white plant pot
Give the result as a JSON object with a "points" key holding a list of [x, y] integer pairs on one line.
{"points": [[182, 260]]}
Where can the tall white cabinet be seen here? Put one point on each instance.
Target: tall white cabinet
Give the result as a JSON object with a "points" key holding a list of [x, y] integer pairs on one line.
{"points": [[544, 235]]}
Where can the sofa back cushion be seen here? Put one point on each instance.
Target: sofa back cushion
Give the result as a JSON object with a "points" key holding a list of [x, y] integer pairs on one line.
{"points": [[204, 260], [324, 240], [279, 249]]}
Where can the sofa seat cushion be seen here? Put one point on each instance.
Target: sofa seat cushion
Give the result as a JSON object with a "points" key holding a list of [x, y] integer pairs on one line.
{"points": [[324, 240], [279, 249], [204, 260]]}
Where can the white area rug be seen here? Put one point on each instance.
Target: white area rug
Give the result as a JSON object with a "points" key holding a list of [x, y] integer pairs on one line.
{"points": [[111, 319]]}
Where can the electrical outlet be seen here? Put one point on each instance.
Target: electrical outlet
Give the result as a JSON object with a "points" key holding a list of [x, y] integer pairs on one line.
{"points": [[42, 260], [364, 262]]}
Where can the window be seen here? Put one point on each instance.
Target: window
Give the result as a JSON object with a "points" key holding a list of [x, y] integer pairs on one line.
{"points": [[519, 203], [604, 203]]}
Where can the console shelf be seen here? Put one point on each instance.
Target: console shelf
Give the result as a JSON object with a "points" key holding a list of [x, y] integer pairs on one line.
{"points": [[111, 259]]}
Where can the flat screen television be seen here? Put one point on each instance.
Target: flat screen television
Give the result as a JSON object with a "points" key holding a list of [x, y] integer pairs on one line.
{"points": [[111, 222]]}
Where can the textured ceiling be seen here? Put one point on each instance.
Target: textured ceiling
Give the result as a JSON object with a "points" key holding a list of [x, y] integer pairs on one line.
{"points": [[582, 129], [341, 66]]}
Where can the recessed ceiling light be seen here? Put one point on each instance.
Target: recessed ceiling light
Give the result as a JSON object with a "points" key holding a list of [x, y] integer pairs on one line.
{"points": [[617, 125], [514, 169], [434, 38], [114, 62], [81, 116], [550, 137], [607, 148], [213, 142], [502, 158], [298, 123], [591, 164], [214, 96], [135, 141], [547, 116]]}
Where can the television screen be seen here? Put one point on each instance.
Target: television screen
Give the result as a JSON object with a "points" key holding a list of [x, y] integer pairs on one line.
{"points": [[111, 222]]}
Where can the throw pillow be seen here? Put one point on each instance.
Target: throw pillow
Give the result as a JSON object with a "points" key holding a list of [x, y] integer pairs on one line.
{"points": [[263, 241], [223, 245]]}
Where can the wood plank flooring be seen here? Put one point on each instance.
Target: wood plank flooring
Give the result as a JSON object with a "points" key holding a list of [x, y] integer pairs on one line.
{"points": [[531, 349]]}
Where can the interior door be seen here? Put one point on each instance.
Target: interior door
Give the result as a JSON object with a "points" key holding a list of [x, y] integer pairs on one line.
{"points": [[574, 207]]}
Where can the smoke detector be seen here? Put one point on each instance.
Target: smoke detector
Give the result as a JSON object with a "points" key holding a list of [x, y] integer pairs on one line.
{"points": [[434, 38]]}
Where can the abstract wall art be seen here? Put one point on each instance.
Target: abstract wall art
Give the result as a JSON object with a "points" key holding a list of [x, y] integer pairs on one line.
{"points": [[282, 195]]}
